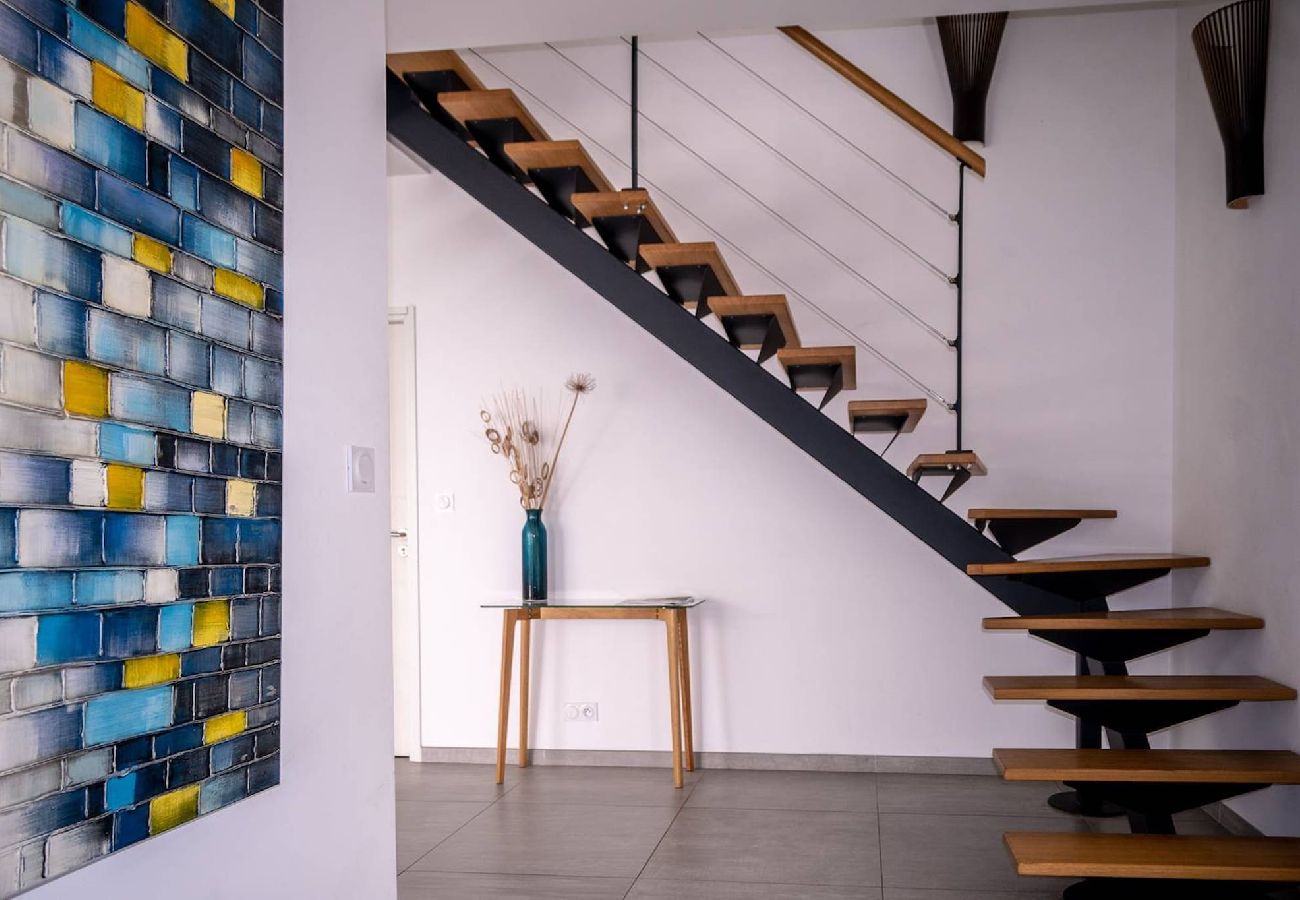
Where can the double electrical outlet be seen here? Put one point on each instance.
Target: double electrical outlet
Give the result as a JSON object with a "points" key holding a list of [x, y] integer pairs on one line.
{"points": [[582, 711]]}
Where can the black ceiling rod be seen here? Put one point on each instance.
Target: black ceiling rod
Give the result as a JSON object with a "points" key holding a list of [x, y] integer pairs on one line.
{"points": [[636, 90]]}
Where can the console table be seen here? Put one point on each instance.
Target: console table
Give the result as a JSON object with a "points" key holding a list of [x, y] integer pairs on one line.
{"points": [[671, 611]]}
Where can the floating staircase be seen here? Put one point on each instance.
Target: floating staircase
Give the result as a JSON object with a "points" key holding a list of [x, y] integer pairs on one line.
{"points": [[487, 142]]}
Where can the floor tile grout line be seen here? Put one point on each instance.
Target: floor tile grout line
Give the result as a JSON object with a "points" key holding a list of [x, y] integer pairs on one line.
{"points": [[457, 831], [880, 842], [659, 843]]}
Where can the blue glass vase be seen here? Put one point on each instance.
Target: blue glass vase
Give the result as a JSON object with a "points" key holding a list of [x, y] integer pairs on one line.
{"points": [[534, 553]]}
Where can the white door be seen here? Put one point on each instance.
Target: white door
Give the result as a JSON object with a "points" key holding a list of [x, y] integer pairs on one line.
{"points": [[406, 594]]}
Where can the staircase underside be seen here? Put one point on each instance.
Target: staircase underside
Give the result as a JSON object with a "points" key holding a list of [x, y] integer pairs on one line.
{"points": [[821, 438]]}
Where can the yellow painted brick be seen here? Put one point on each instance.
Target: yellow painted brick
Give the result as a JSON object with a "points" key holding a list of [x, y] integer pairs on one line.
{"points": [[175, 808], [208, 414], [246, 171], [146, 34], [226, 6], [211, 622], [238, 288], [125, 487], [154, 254], [147, 670], [226, 725], [115, 96], [240, 497], [85, 389]]}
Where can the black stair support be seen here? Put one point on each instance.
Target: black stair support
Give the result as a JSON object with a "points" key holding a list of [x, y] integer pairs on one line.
{"points": [[557, 187], [1088, 736], [1161, 889], [428, 85], [1140, 717], [691, 284], [1121, 645], [1084, 585], [1017, 535], [624, 235], [763, 330], [493, 135], [1164, 798], [805, 378], [827, 443]]}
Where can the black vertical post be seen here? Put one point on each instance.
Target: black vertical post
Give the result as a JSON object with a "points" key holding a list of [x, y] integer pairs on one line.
{"points": [[960, 282], [635, 115]]}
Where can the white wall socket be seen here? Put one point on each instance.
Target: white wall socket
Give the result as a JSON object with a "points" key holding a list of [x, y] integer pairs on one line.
{"points": [[582, 711]]}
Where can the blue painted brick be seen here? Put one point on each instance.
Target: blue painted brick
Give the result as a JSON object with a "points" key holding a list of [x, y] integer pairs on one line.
{"points": [[87, 681], [268, 336], [202, 24], [168, 492], [45, 815], [187, 359], [175, 304], [172, 92], [150, 402], [85, 226], [109, 144], [225, 205], [164, 123], [271, 683], [227, 580], [53, 171], [138, 209], [223, 791], [182, 540], [122, 443], [98, 44], [60, 325], [259, 541], [33, 591], [135, 787], [227, 365], [268, 500], [220, 537], [211, 696], [209, 496], [274, 301], [133, 752], [204, 148], [245, 688], [264, 774], [268, 227], [268, 427], [126, 343], [263, 381], [34, 479], [133, 539], [33, 255], [252, 464], [225, 460], [274, 467], [208, 242], [239, 422], [272, 34], [52, 15], [178, 740], [109, 13], [187, 768], [17, 39], [66, 638], [273, 123], [192, 455], [244, 617], [246, 105], [210, 80], [105, 587], [175, 627], [53, 538], [262, 71], [184, 183], [183, 703], [64, 66], [193, 583], [130, 826], [257, 579], [25, 203], [235, 752], [131, 632], [159, 175], [8, 539], [266, 151], [273, 7], [246, 16], [259, 263], [201, 662], [227, 322]]}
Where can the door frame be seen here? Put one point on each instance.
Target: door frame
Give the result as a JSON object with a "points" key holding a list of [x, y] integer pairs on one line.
{"points": [[407, 634]]}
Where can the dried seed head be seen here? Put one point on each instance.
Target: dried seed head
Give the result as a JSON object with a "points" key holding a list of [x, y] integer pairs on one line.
{"points": [[580, 383]]}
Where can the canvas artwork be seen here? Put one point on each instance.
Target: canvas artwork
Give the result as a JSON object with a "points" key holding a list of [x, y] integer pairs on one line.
{"points": [[141, 341]]}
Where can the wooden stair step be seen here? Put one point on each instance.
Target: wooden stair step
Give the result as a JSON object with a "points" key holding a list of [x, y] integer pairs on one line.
{"points": [[1243, 688], [959, 465], [816, 368], [1108, 562], [988, 514], [487, 105], [692, 274], [627, 221], [427, 61], [1151, 766], [1192, 618], [1016, 530], [560, 169], [1155, 856], [892, 416], [759, 322]]}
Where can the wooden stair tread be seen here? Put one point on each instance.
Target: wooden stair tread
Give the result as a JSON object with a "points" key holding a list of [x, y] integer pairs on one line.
{"points": [[774, 305], [660, 256], [910, 410], [472, 106], [1137, 687], [793, 357], [434, 61], [964, 459], [1107, 562], [604, 204], [980, 515], [1151, 766], [529, 155], [1194, 618], [1189, 857]]}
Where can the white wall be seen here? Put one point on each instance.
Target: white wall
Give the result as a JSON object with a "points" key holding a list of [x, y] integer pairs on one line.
{"points": [[327, 831], [1237, 424], [828, 629]]}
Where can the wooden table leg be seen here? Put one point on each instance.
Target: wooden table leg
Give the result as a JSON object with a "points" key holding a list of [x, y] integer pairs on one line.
{"points": [[525, 646], [507, 665], [674, 694], [684, 649]]}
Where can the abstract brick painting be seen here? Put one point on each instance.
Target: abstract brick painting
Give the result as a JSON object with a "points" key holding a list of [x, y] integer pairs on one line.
{"points": [[140, 420]]}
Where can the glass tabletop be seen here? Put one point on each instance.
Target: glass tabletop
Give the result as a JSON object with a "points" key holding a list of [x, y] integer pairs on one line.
{"points": [[598, 603]]}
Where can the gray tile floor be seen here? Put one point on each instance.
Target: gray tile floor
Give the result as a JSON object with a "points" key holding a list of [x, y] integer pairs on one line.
{"points": [[572, 833]]}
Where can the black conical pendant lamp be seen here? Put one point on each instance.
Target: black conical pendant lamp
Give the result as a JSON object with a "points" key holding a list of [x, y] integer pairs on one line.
{"points": [[1232, 46], [970, 50]]}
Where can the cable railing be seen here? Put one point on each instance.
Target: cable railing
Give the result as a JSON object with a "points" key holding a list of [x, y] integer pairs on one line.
{"points": [[721, 237], [891, 300]]}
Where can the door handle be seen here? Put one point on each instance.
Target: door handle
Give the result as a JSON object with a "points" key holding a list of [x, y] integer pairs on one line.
{"points": [[397, 534]]}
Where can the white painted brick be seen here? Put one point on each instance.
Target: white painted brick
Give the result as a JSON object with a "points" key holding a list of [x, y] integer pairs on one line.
{"points": [[17, 644], [126, 286], [29, 784], [42, 433], [38, 689], [161, 585], [13, 105], [17, 311], [49, 112], [89, 487], [31, 378], [156, 124], [93, 765], [33, 865], [72, 849]]}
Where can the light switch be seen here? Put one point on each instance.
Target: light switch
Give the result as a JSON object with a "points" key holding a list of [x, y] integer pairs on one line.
{"points": [[361, 470]]}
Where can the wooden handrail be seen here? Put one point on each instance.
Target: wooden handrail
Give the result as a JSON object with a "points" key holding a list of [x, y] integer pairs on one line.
{"points": [[887, 98]]}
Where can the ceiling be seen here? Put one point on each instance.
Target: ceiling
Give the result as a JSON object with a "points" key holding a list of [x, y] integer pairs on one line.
{"points": [[438, 24]]}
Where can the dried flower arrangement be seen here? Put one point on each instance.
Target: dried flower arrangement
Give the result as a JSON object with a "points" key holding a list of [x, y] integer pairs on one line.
{"points": [[513, 429]]}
